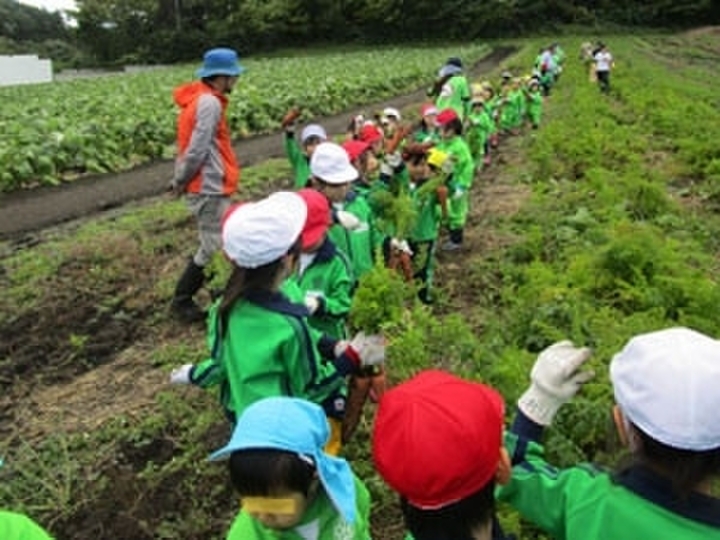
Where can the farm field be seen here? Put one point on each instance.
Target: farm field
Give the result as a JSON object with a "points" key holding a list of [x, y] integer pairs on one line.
{"points": [[55, 132], [600, 225]]}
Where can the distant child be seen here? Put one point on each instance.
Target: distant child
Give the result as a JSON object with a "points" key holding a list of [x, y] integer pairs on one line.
{"points": [[323, 274], [511, 115], [480, 126], [452, 89], [534, 103], [364, 161], [453, 144], [667, 402], [390, 121], [426, 129], [333, 175], [289, 488], [373, 136], [437, 441], [261, 344], [603, 64], [299, 154], [427, 170]]}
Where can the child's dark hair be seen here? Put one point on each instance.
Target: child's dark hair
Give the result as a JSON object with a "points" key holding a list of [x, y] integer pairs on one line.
{"points": [[456, 521], [264, 472], [243, 280], [686, 469], [312, 140], [455, 125]]}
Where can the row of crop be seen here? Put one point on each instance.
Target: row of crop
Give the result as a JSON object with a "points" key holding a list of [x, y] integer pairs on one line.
{"points": [[56, 131], [607, 248]]}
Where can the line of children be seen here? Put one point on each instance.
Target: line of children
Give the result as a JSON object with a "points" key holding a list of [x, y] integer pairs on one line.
{"points": [[663, 385]]}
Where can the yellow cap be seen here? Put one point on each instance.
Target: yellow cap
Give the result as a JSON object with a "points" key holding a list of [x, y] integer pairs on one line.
{"points": [[437, 158]]}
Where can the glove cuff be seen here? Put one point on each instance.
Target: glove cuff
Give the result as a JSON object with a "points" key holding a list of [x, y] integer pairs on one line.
{"points": [[539, 406], [347, 359]]}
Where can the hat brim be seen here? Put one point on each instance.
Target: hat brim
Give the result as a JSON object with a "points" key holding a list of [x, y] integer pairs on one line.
{"points": [[347, 175], [204, 73]]}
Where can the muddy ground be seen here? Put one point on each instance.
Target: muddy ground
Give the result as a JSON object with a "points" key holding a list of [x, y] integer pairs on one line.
{"points": [[85, 357]]}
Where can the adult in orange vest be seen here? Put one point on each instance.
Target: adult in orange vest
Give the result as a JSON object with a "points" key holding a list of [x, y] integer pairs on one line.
{"points": [[206, 169]]}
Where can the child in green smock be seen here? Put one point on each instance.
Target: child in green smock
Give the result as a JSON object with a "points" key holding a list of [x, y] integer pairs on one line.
{"points": [[323, 274], [534, 103], [289, 487], [453, 144], [261, 343], [479, 127], [665, 389], [299, 154]]}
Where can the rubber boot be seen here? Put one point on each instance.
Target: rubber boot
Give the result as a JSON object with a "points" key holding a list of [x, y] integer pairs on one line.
{"points": [[183, 306]]}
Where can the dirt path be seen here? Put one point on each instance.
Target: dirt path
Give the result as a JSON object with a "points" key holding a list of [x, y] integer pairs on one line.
{"points": [[28, 211]]}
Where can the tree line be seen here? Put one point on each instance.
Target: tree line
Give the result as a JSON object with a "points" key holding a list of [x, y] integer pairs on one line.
{"points": [[165, 31]]}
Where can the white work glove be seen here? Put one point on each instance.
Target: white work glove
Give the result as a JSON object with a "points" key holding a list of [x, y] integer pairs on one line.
{"points": [[458, 193], [312, 302], [394, 160], [347, 220], [386, 170], [401, 245], [370, 348], [555, 380], [182, 375]]}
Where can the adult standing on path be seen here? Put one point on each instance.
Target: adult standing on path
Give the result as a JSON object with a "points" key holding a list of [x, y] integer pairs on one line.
{"points": [[206, 169], [603, 64]]}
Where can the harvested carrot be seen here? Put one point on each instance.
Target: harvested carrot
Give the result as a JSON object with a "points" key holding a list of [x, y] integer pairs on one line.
{"points": [[358, 390], [378, 384], [442, 195]]}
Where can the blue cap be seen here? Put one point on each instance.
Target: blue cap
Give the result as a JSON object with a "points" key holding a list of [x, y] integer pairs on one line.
{"points": [[295, 425], [220, 62]]}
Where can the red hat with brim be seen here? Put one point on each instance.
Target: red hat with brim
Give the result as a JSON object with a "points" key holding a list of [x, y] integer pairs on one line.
{"points": [[355, 148], [437, 438], [370, 134], [318, 217], [445, 117]]}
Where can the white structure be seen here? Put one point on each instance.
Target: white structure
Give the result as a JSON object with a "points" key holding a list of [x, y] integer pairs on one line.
{"points": [[24, 69]]}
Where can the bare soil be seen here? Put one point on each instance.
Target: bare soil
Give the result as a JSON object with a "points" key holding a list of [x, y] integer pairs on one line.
{"points": [[86, 357]]}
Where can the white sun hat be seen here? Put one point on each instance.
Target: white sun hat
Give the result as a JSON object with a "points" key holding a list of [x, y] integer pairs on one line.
{"points": [[313, 130], [666, 384], [331, 164], [391, 112], [258, 233]]}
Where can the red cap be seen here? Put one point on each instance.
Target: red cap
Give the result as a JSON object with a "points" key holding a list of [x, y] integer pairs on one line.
{"points": [[445, 117], [318, 217], [370, 134], [355, 148], [428, 109], [437, 438]]}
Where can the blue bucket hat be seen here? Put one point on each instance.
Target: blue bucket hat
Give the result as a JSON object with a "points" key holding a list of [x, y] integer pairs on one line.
{"points": [[220, 62], [295, 425]]}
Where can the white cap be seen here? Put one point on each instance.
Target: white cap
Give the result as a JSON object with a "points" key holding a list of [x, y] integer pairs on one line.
{"points": [[666, 384], [448, 70], [261, 232], [313, 130], [331, 164], [391, 112]]}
